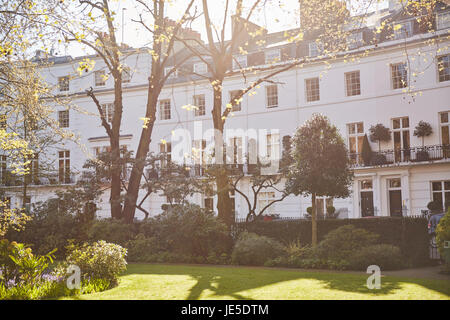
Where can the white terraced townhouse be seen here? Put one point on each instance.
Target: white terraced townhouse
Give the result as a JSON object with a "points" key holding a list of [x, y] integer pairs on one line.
{"points": [[354, 95]]}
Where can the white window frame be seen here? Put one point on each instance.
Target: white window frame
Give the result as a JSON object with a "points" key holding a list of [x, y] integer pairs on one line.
{"points": [[355, 40], [353, 132], [394, 83], [272, 96], [264, 198], [199, 101], [200, 68], [238, 106], [64, 118], [314, 49], [166, 149], [443, 20], [240, 62], [445, 66], [100, 78], [443, 191], [163, 114], [236, 147], [273, 146], [64, 156], [108, 111], [272, 56], [64, 83], [443, 124], [405, 31], [311, 91], [352, 89]]}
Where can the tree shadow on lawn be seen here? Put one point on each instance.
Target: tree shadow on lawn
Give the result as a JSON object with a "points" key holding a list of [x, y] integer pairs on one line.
{"points": [[229, 281]]}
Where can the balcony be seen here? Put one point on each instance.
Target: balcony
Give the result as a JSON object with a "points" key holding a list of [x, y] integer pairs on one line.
{"points": [[9, 179], [402, 156]]}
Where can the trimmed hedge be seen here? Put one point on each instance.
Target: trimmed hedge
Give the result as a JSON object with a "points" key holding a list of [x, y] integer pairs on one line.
{"points": [[409, 234]]}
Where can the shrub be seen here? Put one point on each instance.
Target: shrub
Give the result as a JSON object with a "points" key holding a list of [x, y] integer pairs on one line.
{"points": [[409, 234], [191, 230], [48, 229], [386, 256], [340, 243], [141, 249], [20, 266], [100, 260], [111, 230], [443, 234], [251, 249]]}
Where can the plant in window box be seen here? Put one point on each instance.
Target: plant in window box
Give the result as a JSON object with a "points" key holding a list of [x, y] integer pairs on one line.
{"points": [[308, 213], [331, 212], [379, 133], [422, 130]]}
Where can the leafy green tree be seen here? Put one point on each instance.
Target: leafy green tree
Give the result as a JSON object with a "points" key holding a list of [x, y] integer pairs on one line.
{"points": [[321, 166]]}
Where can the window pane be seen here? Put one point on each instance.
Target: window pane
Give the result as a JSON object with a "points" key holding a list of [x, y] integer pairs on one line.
{"points": [[446, 185], [360, 126], [396, 123], [405, 122], [444, 68], [445, 135], [351, 128], [444, 117], [437, 186]]}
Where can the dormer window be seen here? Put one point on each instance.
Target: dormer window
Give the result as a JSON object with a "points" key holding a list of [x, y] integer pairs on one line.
{"points": [[355, 40], [273, 56], [315, 49], [403, 30], [200, 68], [239, 62], [443, 20]]}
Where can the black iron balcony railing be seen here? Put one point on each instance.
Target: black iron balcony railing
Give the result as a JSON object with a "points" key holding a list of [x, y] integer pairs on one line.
{"points": [[396, 156]]}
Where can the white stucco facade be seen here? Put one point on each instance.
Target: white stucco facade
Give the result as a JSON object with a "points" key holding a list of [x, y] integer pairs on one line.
{"points": [[377, 102]]}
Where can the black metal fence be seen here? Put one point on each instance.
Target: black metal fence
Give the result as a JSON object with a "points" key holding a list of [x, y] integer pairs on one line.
{"points": [[392, 156]]}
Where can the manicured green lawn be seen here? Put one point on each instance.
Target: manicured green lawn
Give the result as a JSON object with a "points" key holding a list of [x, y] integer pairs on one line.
{"points": [[156, 281]]}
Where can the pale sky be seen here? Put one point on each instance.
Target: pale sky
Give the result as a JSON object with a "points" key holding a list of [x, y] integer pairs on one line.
{"points": [[275, 15]]}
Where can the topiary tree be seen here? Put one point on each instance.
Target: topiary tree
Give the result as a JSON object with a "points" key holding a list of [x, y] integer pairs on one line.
{"points": [[321, 166], [379, 133], [366, 151], [422, 130]]}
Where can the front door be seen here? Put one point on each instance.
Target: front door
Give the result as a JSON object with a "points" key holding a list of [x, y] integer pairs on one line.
{"points": [[367, 209], [395, 203]]}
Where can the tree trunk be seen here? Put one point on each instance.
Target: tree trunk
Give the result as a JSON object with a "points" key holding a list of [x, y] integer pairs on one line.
{"points": [[116, 207], [314, 221], [223, 197], [129, 209], [114, 140]]}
